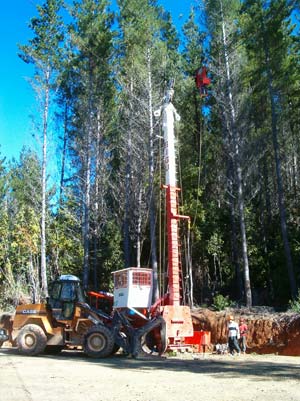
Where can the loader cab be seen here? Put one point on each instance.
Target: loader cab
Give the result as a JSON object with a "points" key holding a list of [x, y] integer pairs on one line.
{"points": [[64, 293]]}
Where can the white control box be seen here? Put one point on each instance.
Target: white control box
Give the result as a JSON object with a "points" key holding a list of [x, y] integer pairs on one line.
{"points": [[133, 288]]}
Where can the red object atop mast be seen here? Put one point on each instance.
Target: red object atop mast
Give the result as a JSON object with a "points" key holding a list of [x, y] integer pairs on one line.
{"points": [[202, 80]]}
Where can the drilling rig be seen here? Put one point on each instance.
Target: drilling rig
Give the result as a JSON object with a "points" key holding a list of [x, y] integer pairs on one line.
{"points": [[176, 315], [170, 325]]}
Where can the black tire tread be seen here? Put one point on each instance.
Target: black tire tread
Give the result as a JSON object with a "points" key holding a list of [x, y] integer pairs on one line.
{"points": [[40, 340], [109, 342]]}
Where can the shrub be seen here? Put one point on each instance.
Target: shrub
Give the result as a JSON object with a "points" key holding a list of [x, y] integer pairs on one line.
{"points": [[294, 304], [220, 302]]}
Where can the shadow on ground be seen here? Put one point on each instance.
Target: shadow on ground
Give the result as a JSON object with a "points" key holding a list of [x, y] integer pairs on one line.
{"points": [[226, 367]]}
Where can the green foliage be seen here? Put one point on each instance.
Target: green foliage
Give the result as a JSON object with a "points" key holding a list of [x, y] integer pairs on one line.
{"points": [[110, 254], [215, 244], [105, 73], [44, 49], [220, 302], [294, 304], [13, 288], [64, 247]]}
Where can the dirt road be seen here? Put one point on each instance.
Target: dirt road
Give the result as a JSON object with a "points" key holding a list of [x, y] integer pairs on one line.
{"points": [[71, 376]]}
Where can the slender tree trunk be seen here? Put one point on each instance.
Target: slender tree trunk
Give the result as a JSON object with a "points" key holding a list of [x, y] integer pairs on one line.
{"points": [[126, 224], [86, 213], [56, 269], [244, 238], [190, 270], [63, 158], [34, 280], [44, 188], [280, 190], [127, 203], [152, 211], [87, 193], [266, 223], [295, 183], [96, 218], [127, 198], [233, 231], [139, 230], [237, 165]]}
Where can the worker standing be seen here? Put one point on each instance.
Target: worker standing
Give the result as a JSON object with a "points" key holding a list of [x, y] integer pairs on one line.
{"points": [[243, 335], [233, 336]]}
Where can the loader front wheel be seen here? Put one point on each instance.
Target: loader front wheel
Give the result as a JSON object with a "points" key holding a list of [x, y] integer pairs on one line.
{"points": [[31, 340], [99, 342]]}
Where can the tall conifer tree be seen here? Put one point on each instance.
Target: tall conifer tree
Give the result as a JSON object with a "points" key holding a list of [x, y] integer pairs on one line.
{"points": [[265, 27], [91, 37], [43, 51]]}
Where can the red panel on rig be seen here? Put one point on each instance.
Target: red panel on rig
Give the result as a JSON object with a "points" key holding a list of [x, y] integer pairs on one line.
{"points": [[200, 339], [178, 321]]}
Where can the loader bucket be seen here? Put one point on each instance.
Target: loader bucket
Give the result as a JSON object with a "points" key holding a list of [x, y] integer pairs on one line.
{"points": [[150, 339]]}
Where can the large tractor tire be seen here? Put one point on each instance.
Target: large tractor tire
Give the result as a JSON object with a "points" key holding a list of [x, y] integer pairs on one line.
{"points": [[31, 340], [99, 342]]}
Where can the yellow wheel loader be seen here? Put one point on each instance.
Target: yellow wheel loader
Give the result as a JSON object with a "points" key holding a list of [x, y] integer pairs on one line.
{"points": [[65, 320]]}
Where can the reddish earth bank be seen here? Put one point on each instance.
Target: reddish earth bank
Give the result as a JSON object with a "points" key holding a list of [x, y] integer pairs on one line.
{"points": [[268, 332]]}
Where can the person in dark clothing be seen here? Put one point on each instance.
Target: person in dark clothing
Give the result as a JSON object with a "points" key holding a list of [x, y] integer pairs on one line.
{"points": [[243, 335]]}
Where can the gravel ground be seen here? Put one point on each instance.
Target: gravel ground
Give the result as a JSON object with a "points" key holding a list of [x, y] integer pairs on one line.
{"points": [[188, 377]]}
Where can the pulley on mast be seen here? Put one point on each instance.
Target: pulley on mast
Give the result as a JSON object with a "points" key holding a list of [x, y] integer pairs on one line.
{"points": [[202, 80]]}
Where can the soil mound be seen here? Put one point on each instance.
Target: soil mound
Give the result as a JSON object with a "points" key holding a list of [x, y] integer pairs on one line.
{"points": [[268, 332]]}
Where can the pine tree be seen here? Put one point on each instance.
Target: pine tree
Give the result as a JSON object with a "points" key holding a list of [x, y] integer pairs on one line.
{"points": [[91, 38], [24, 210], [266, 33], [43, 51], [227, 64]]}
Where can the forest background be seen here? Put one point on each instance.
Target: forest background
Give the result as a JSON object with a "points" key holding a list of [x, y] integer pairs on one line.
{"points": [[99, 75]]}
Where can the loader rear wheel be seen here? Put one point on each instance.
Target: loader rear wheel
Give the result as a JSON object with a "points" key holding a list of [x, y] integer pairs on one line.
{"points": [[31, 340], [99, 342]]}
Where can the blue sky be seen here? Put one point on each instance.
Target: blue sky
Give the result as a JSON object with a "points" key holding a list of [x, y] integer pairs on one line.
{"points": [[16, 97], [17, 100]]}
